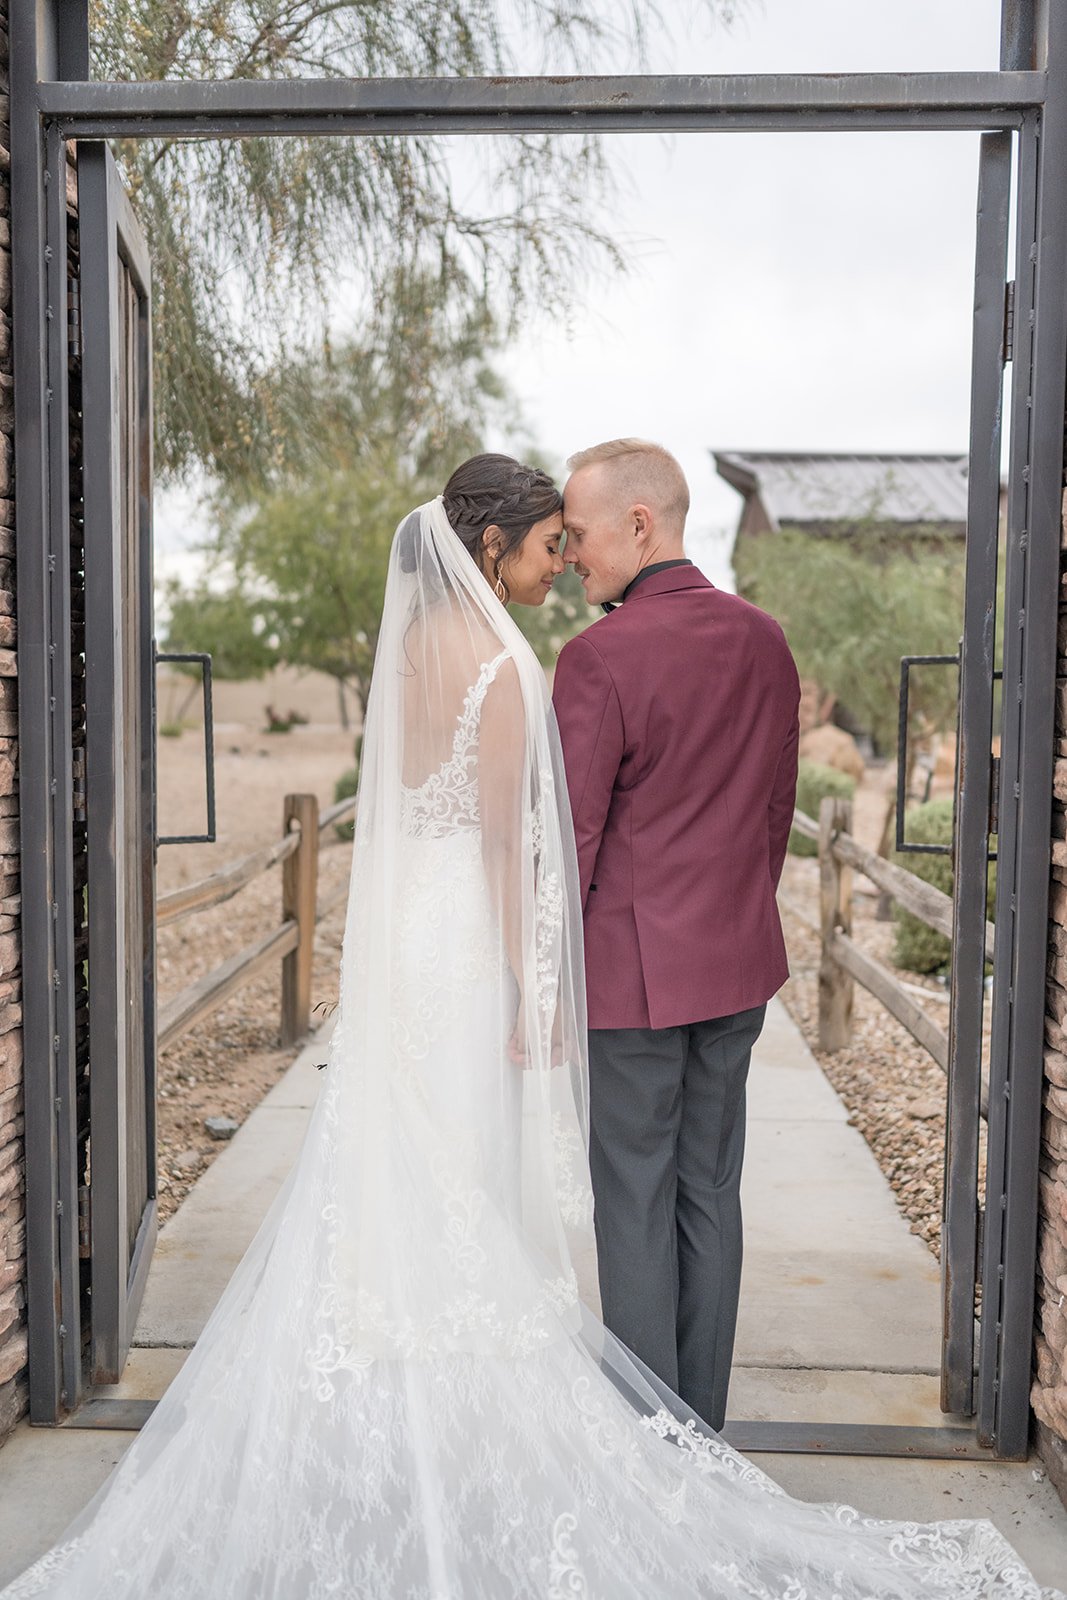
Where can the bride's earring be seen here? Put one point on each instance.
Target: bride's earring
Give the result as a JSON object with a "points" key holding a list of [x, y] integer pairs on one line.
{"points": [[499, 589]]}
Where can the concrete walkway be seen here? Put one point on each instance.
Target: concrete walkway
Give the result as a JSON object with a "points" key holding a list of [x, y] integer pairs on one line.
{"points": [[839, 1317]]}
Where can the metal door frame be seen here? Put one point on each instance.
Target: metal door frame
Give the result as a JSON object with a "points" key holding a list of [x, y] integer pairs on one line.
{"points": [[51, 101], [111, 241], [973, 821]]}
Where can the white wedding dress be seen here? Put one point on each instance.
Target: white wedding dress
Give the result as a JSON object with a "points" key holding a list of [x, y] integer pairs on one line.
{"points": [[400, 1396]]}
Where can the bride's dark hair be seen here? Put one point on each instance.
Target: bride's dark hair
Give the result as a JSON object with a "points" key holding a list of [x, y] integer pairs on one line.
{"points": [[494, 490]]}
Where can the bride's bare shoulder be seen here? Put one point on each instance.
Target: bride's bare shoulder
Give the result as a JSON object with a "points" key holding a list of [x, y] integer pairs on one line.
{"points": [[461, 641]]}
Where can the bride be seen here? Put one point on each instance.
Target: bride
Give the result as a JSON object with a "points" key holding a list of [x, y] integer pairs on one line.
{"points": [[400, 1396]]}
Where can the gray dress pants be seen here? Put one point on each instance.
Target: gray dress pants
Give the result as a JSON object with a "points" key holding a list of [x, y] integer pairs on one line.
{"points": [[667, 1140]]}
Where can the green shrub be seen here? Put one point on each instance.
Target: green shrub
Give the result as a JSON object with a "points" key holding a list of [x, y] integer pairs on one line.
{"points": [[171, 730], [347, 784], [814, 783], [918, 948]]}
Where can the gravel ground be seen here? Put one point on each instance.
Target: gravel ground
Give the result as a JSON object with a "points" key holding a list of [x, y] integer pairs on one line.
{"points": [[893, 1090], [224, 1066]]}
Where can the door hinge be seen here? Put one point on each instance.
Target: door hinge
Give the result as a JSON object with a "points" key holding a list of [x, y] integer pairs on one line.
{"points": [[1009, 321], [74, 318], [78, 765], [994, 796]]}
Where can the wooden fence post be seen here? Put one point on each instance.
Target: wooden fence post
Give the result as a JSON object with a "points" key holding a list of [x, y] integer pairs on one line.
{"points": [[835, 912], [299, 896]]}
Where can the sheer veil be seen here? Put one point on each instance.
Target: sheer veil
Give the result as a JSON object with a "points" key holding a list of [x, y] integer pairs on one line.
{"points": [[462, 999]]}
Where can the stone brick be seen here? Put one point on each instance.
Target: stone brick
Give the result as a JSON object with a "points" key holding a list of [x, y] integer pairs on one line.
{"points": [[1059, 769], [1049, 1365], [10, 1014], [10, 1181], [11, 1048], [1055, 1068], [1052, 1256], [1053, 1194], [1053, 1326], [14, 1403], [13, 1356], [1054, 1135], [1050, 1406], [16, 1240], [1057, 909], [12, 1301]]}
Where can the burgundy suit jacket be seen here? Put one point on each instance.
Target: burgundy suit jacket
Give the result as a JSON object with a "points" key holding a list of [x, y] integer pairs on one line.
{"points": [[678, 718]]}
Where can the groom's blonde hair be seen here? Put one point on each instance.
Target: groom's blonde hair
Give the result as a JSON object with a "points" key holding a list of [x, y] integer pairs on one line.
{"points": [[640, 470]]}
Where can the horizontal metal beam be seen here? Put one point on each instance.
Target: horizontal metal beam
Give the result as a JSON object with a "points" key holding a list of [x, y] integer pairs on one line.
{"points": [[753, 1438], [855, 1439], [543, 105]]}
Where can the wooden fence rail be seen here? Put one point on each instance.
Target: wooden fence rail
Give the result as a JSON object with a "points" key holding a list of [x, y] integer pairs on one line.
{"points": [[292, 942], [842, 963]]}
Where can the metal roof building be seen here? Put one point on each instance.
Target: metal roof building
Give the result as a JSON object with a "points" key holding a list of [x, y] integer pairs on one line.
{"points": [[823, 492]]}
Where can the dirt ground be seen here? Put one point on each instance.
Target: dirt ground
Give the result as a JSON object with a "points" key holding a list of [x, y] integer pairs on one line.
{"points": [[225, 1065]]}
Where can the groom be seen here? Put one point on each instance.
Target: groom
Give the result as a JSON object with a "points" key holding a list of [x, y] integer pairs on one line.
{"points": [[678, 716]]}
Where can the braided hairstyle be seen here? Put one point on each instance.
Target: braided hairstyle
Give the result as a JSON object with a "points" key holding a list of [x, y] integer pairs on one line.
{"points": [[498, 491]]}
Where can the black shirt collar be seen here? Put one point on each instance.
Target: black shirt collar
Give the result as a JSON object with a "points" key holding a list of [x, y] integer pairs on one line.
{"points": [[646, 572]]}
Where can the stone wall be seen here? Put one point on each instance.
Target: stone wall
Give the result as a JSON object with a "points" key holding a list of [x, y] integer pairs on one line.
{"points": [[1049, 1395], [12, 1185]]}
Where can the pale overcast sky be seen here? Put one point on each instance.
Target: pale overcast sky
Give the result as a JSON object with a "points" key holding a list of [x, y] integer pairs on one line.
{"points": [[792, 291], [804, 291]]}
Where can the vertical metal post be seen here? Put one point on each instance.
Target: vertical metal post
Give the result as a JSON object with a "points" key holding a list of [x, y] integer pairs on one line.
{"points": [[106, 712], [62, 797], [146, 712], [959, 1233], [1026, 788], [1017, 29], [39, 42], [29, 300]]}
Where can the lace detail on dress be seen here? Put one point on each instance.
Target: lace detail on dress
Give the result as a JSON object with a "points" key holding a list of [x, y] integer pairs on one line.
{"points": [[447, 800]]}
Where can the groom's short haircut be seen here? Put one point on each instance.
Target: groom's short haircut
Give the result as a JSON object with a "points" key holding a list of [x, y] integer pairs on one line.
{"points": [[640, 470]]}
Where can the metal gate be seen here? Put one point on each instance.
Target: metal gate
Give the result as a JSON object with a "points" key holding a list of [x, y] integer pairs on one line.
{"points": [[120, 756], [974, 822], [1021, 112]]}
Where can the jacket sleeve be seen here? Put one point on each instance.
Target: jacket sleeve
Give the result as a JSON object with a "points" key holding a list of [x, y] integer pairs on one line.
{"points": [[784, 791], [591, 732]]}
